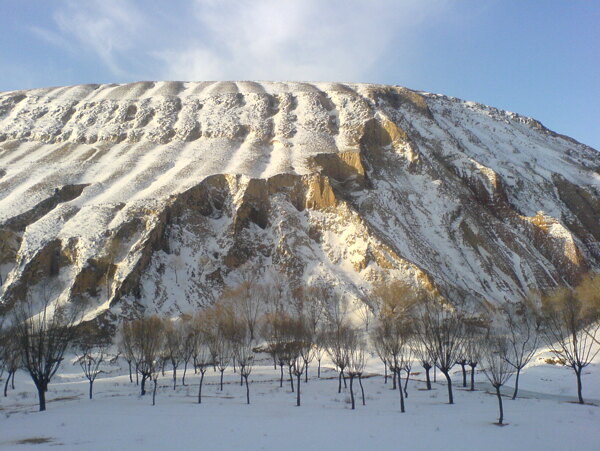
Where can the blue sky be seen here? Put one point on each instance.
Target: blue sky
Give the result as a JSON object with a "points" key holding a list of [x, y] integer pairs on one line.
{"points": [[537, 58]]}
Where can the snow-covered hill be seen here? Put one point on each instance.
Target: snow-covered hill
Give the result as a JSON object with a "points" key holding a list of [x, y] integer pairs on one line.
{"points": [[153, 195]]}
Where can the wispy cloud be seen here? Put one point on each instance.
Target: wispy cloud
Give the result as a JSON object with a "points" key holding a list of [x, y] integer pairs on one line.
{"points": [[296, 39], [242, 39], [108, 28]]}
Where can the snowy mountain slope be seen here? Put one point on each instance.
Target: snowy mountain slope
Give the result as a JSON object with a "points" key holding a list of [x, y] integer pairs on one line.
{"points": [[152, 195]]}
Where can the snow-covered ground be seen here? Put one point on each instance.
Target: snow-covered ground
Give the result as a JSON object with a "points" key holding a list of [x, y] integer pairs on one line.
{"points": [[545, 418]]}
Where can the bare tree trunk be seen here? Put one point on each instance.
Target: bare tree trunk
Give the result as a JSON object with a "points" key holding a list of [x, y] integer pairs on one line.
{"points": [[473, 378], [6, 383], [130, 375], [352, 390], [464, 373], [406, 384], [42, 397], [291, 378], [514, 396], [91, 388], [579, 387], [394, 380], [340, 382], [281, 378], [362, 390], [427, 369], [154, 393], [298, 388], [344, 379], [401, 394], [434, 373], [184, 371], [174, 377], [449, 381], [200, 386], [222, 371], [305, 371], [144, 384], [499, 404], [137, 381], [248, 390], [385, 374], [319, 369]]}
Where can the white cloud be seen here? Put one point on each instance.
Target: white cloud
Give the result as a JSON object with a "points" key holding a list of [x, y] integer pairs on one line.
{"points": [[242, 39]]}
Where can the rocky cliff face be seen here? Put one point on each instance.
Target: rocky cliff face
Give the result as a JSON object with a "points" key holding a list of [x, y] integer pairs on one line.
{"points": [[154, 195]]}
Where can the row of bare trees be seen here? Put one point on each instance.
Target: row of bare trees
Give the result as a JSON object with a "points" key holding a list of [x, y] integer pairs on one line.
{"points": [[296, 328], [411, 324]]}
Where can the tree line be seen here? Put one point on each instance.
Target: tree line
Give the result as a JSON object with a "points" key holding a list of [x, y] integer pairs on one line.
{"points": [[298, 328]]}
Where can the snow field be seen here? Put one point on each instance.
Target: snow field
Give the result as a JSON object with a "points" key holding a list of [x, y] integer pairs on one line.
{"points": [[118, 418]]}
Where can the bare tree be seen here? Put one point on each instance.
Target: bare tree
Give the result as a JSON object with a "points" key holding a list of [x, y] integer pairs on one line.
{"points": [[307, 352], [125, 347], [91, 351], [173, 346], [422, 354], [146, 335], [588, 291], [309, 305], [395, 298], [408, 356], [473, 352], [224, 356], [337, 338], [356, 364], [176, 263], [523, 336], [298, 367], [276, 294], [397, 333], [10, 357], [207, 323], [248, 298], [463, 360], [295, 334], [201, 353], [377, 335], [283, 334], [571, 321], [245, 357], [309, 309], [495, 365], [335, 308], [230, 331], [441, 329], [188, 337], [365, 312], [43, 335], [273, 332]]}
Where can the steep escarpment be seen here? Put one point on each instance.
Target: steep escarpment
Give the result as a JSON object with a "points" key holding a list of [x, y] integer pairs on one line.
{"points": [[154, 195]]}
